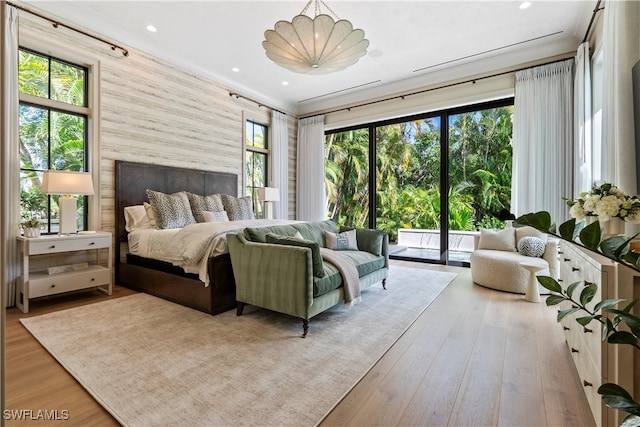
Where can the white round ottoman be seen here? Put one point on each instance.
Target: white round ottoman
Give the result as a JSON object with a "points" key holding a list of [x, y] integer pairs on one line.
{"points": [[501, 270]]}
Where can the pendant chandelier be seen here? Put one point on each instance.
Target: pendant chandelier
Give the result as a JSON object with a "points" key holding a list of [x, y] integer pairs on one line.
{"points": [[320, 45]]}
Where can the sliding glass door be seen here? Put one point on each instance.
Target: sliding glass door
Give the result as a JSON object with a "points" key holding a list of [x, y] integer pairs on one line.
{"points": [[479, 174], [408, 181], [438, 178]]}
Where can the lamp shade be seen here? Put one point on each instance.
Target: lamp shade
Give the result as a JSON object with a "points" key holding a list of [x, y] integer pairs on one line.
{"points": [[269, 194], [67, 182]]}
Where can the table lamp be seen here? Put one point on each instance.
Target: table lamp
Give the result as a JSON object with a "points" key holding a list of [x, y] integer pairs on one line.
{"points": [[67, 183], [268, 195]]}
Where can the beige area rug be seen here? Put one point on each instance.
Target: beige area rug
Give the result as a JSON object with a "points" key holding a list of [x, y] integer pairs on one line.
{"points": [[150, 362]]}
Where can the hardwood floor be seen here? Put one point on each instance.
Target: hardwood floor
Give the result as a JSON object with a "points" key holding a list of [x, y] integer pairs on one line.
{"points": [[475, 357]]}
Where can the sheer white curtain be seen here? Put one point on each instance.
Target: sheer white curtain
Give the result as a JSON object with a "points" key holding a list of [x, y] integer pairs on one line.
{"points": [[311, 193], [621, 50], [10, 181], [582, 107], [280, 163], [543, 140]]}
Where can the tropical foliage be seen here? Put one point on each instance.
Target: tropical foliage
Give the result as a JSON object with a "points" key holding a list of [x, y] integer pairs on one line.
{"points": [[49, 138], [408, 159]]}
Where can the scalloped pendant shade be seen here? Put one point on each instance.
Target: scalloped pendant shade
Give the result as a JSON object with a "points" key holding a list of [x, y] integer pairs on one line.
{"points": [[315, 46]]}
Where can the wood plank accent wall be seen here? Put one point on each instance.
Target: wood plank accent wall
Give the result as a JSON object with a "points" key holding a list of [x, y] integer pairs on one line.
{"points": [[153, 111]]}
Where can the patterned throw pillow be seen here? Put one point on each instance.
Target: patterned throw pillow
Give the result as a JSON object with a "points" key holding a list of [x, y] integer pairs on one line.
{"points": [[531, 246], [345, 241], [199, 204], [238, 208], [171, 210]]}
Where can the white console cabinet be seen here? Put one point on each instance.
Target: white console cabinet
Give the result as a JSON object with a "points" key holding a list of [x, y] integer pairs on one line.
{"points": [[40, 281], [597, 362]]}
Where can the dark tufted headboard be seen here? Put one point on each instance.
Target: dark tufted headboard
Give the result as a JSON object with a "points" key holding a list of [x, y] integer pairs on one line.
{"points": [[132, 179]]}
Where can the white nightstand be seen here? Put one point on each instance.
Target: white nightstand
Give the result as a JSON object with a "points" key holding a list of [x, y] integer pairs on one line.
{"points": [[38, 282]]}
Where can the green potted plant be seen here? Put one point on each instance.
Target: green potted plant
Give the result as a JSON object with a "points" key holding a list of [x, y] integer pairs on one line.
{"points": [[31, 227]]}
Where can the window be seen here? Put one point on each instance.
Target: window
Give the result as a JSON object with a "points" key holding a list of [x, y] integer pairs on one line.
{"points": [[427, 180], [53, 116], [256, 162]]}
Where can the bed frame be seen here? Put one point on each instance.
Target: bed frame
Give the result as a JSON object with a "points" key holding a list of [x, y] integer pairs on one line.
{"points": [[160, 279]]}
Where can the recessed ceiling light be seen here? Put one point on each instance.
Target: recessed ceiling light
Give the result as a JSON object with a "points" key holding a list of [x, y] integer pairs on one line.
{"points": [[151, 28], [235, 69], [285, 83], [525, 5]]}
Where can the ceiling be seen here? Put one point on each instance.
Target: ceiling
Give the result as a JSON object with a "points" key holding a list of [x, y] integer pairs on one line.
{"points": [[412, 43]]}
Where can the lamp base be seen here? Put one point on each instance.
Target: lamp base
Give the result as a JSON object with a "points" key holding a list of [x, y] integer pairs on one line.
{"points": [[68, 215], [268, 210]]}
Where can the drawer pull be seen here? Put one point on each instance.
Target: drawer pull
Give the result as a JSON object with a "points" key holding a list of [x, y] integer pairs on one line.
{"points": [[573, 350], [560, 252], [567, 259], [92, 243], [53, 286], [93, 279], [52, 247], [560, 280], [587, 330], [586, 383], [575, 269], [566, 328]]}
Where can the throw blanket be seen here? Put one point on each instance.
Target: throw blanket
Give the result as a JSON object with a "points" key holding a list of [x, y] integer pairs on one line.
{"points": [[350, 278], [192, 245]]}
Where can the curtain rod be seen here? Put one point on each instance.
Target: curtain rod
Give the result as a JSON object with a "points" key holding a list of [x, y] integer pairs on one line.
{"points": [[593, 17], [260, 104], [473, 81], [57, 24]]}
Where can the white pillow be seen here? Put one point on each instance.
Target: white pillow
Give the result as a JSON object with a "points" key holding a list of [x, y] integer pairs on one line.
{"points": [[345, 241], [210, 216], [135, 218], [151, 214], [503, 240], [529, 231]]}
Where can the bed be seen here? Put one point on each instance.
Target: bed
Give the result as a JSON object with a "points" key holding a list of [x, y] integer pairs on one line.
{"points": [[159, 278]]}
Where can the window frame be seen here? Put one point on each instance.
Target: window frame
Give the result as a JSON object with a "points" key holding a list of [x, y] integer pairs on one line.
{"points": [[52, 50], [248, 118]]}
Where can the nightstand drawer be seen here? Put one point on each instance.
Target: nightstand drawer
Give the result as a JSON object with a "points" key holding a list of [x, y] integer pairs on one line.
{"points": [[44, 284], [46, 246]]}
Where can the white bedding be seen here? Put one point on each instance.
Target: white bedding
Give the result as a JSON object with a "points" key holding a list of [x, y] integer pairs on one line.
{"points": [[191, 246]]}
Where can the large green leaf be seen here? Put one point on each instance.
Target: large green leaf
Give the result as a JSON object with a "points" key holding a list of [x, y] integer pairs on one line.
{"points": [[555, 299], [591, 235], [565, 313], [606, 304], [569, 230], [628, 307], [539, 220], [587, 294], [584, 321], [632, 321], [549, 283], [616, 397], [572, 287], [622, 337], [615, 247]]}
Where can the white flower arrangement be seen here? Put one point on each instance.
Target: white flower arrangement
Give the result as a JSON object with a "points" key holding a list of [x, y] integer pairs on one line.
{"points": [[605, 201]]}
